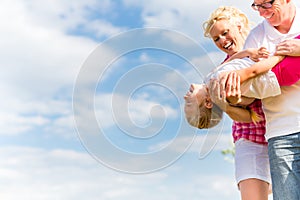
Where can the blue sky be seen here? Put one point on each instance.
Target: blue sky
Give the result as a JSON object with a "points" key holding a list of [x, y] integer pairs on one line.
{"points": [[134, 104]]}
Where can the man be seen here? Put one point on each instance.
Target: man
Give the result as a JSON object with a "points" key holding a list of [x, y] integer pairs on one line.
{"points": [[281, 24]]}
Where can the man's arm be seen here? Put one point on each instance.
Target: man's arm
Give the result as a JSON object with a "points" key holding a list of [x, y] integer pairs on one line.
{"points": [[258, 68], [289, 47], [263, 86]]}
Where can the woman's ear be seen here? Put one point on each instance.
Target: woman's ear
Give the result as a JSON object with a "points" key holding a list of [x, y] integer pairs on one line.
{"points": [[239, 28]]}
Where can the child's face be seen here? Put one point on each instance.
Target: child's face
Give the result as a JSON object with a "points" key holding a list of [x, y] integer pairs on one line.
{"points": [[196, 96]]}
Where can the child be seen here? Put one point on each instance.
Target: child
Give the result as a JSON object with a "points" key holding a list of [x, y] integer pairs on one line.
{"points": [[199, 113]]}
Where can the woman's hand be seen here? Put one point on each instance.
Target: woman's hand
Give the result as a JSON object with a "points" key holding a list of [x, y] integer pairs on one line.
{"points": [[217, 95], [230, 83]]}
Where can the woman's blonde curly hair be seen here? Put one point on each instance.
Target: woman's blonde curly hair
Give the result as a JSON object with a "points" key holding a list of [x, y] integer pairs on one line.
{"points": [[233, 15]]}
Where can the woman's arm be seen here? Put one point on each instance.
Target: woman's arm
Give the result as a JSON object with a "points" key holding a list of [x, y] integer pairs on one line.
{"points": [[236, 113], [239, 114]]}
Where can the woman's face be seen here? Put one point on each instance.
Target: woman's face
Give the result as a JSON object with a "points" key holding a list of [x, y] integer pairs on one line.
{"points": [[227, 37]]}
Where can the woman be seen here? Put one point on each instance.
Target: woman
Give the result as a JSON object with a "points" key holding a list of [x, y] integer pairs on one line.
{"points": [[228, 27]]}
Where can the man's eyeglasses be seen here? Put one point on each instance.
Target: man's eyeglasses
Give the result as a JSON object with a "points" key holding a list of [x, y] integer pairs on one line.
{"points": [[265, 5]]}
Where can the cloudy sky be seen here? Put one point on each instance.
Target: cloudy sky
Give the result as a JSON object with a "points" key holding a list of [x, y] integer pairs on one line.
{"points": [[91, 104]]}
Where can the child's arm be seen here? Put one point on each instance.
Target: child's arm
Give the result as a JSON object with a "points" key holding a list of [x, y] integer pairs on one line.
{"points": [[252, 53], [258, 68]]}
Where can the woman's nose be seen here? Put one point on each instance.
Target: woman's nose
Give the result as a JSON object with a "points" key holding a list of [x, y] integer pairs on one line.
{"points": [[222, 39]]}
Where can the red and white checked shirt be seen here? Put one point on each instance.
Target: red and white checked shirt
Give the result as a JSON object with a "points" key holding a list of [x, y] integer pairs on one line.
{"points": [[250, 131]]}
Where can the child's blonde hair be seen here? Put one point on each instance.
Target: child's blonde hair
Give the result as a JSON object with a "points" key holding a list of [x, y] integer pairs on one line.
{"points": [[204, 117], [255, 117], [233, 15]]}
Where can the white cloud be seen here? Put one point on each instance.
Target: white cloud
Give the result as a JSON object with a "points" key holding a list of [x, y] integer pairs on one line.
{"points": [[41, 57], [203, 143], [14, 124], [32, 173], [145, 58], [61, 14], [40, 62], [138, 110], [102, 29], [186, 16]]}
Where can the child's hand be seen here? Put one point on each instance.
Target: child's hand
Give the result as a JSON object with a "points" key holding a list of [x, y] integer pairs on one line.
{"points": [[256, 54]]}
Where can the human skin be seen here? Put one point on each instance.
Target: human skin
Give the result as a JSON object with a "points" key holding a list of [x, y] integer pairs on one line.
{"points": [[228, 39]]}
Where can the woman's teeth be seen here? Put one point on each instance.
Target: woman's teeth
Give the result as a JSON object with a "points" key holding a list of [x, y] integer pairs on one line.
{"points": [[227, 45]]}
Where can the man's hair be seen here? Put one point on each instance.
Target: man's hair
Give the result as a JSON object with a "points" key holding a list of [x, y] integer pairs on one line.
{"points": [[232, 14], [204, 118]]}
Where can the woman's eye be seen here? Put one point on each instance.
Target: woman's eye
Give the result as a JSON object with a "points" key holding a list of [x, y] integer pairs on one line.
{"points": [[225, 32]]}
